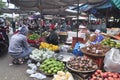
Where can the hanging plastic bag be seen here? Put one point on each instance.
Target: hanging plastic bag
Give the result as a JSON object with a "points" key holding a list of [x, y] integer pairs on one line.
{"points": [[76, 50], [112, 60]]}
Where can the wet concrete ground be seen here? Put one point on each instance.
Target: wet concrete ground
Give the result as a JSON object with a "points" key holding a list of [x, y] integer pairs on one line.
{"points": [[13, 72]]}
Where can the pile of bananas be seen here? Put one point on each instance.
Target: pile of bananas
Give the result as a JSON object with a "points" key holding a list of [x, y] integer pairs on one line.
{"points": [[44, 45]]}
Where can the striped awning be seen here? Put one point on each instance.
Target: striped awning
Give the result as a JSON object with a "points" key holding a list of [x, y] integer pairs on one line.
{"points": [[116, 3]]}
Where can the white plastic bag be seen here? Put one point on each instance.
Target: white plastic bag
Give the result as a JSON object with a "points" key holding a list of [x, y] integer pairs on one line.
{"points": [[32, 66], [112, 60], [29, 71], [38, 76]]}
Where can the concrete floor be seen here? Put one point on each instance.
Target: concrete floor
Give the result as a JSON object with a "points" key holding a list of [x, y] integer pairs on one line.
{"points": [[13, 72]]}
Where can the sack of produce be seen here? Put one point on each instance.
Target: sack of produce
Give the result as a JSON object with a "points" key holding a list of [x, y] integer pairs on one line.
{"points": [[112, 60]]}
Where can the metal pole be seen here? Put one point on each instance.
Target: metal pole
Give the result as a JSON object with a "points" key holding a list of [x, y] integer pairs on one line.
{"points": [[41, 10], [77, 18], [41, 15]]}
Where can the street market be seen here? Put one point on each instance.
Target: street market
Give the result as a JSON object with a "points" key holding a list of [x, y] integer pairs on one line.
{"points": [[60, 39]]}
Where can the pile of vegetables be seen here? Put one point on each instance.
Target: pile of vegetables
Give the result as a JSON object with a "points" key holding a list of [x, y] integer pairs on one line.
{"points": [[44, 45], [97, 49], [40, 55], [34, 36], [117, 45], [44, 34], [63, 76], [99, 75], [82, 64], [110, 43], [51, 66]]}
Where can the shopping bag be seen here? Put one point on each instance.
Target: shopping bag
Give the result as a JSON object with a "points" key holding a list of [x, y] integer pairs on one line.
{"points": [[112, 60], [76, 50]]}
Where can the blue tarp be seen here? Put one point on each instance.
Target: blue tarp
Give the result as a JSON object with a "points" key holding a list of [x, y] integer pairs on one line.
{"points": [[106, 5], [86, 7], [102, 5]]}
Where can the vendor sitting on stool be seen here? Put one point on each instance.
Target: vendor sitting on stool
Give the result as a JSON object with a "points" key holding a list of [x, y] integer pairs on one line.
{"points": [[18, 47]]}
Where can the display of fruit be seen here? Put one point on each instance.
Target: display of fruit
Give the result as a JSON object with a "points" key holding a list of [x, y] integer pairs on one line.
{"points": [[40, 55], [97, 49], [51, 66], [63, 76], [44, 45], [108, 42], [99, 75], [34, 36], [117, 45], [82, 64]]}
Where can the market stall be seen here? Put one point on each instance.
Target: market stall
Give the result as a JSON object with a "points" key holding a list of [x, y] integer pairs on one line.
{"points": [[58, 62]]}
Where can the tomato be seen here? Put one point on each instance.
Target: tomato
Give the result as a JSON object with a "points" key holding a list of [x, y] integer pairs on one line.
{"points": [[106, 79], [115, 76], [110, 75], [98, 71], [96, 74], [110, 78]]}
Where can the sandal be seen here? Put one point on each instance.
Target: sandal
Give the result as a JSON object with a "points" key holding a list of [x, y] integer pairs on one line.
{"points": [[18, 61]]}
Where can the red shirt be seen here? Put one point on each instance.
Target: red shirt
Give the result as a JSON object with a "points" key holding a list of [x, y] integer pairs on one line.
{"points": [[52, 26]]}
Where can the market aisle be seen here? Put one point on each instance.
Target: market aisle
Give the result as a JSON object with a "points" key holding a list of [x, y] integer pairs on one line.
{"points": [[14, 72]]}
